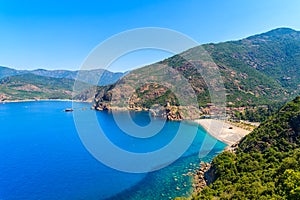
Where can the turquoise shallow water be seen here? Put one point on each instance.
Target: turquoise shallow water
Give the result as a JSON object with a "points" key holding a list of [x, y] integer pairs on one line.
{"points": [[42, 157]]}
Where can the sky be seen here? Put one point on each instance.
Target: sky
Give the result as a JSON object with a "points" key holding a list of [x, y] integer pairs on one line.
{"points": [[60, 34]]}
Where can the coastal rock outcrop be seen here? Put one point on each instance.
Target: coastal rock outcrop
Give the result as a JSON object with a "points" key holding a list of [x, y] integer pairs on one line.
{"points": [[200, 177], [153, 97]]}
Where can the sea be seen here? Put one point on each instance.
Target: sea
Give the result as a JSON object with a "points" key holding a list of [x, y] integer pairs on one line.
{"points": [[42, 156]]}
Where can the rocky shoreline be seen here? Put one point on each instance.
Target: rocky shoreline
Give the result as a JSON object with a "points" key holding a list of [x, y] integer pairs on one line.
{"points": [[169, 112], [205, 174], [199, 179]]}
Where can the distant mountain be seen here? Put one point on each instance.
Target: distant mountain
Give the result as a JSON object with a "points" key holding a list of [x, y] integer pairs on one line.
{"points": [[30, 86], [265, 165], [259, 70], [5, 72], [51, 84], [105, 77], [55, 73]]}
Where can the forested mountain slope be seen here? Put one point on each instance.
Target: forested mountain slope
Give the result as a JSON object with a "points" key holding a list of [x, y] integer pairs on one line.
{"points": [[260, 70]]}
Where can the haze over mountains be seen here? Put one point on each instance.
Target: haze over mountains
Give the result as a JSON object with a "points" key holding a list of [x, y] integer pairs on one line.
{"points": [[108, 77], [48, 84]]}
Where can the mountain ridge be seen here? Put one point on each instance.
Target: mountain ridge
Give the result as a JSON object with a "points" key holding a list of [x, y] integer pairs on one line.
{"points": [[259, 70], [16, 85], [107, 77]]}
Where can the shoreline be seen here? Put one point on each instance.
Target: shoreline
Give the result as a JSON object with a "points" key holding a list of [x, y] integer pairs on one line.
{"points": [[222, 131], [198, 177], [33, 100]]}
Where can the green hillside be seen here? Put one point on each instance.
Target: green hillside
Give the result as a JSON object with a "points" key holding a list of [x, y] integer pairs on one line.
{"points": [[256, 70], [275, 54], [260, 70], [30, 86], [266, 164]]}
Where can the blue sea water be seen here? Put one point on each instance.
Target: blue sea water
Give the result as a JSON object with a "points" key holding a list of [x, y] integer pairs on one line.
{"points": [[42, 157]]}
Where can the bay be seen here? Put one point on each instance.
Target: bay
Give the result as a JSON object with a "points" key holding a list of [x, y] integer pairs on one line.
{"points": [[42, 156]]}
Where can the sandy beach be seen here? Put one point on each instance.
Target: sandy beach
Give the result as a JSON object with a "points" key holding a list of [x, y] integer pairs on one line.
{"points": [[225, 132]]}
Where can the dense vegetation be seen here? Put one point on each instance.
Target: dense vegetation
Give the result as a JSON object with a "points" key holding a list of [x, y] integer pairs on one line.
{"points": [[257, 113], [266, 164], [258, 70], [273, 57]]}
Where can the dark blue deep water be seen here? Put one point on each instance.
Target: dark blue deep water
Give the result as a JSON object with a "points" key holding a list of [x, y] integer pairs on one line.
{"points": [[42, 157]]}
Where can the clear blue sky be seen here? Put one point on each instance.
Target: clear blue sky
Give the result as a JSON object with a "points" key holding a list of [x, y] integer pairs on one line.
{"points": [[56, 34]]}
